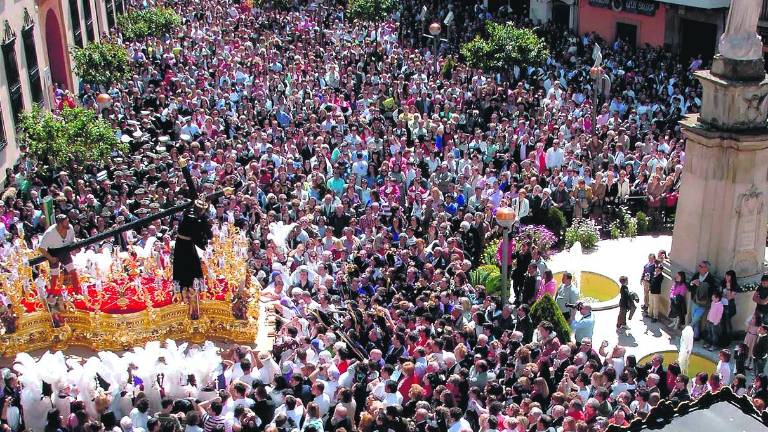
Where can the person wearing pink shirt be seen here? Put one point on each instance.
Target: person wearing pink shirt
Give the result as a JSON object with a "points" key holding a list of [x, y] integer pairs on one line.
{"points": [[677, 307], [548, 286], [714, 316]]}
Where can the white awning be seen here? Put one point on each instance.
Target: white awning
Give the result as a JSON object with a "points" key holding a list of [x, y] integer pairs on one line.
{"points": [[702, 4]]}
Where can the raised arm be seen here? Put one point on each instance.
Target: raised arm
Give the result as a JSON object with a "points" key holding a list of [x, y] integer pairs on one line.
{"points": [[188, 178]]}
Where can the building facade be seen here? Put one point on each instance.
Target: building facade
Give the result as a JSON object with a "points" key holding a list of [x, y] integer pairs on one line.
{"points": [[687, 27], [37, 36]]}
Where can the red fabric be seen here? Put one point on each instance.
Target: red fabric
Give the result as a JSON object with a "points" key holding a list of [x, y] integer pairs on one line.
{"points": [[405, 386], [159, 297]]}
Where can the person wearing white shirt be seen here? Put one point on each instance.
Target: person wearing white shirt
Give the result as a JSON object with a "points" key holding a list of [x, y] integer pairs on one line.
{"points": [[458, 422], [724, 367], [138, 415], [623, 186], [392, 397], [292, 408], [58, 235], [521, 205], [321, 399], [239, 399], [555, 156]]}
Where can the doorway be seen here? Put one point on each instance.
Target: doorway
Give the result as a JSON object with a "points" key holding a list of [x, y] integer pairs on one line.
{"points": [[697, 39], [561, 14], [55, 50], [627, 33]]}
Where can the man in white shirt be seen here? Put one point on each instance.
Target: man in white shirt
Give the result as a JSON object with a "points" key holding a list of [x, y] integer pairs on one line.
{"points": [[240, 390], [555, 155], [57, 236], [291, 408], [247, 369], [457, 421], [392, 397], [321, 399]]}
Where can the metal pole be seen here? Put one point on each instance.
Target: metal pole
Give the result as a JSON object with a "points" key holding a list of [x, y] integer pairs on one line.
{"points": [[594, 105], [436, 47], [504, 267]]}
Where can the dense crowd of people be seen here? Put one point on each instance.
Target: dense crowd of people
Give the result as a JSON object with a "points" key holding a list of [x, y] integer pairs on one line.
{"points": [[383, 167]]}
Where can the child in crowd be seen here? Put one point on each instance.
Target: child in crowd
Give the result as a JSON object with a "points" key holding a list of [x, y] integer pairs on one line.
{"points": [[724, 366], [740, 356], [739, 385], [753, 325], [714, 317], [699, 385]]}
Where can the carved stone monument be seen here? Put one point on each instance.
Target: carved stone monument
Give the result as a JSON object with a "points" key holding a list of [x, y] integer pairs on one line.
{"points": [[721, 213]]}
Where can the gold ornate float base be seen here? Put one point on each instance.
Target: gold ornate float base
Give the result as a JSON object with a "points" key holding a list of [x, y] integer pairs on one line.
{"points": [[99, 331]]}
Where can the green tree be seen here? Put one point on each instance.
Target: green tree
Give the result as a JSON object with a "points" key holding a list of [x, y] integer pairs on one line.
{"points": [[545, 309], [101, 63], [556, 221], [370, 10], [502, 46], [75, 134], [150, 22]]}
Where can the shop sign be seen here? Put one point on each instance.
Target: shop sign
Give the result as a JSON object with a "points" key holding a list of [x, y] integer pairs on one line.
{"points": [[640, 7]]}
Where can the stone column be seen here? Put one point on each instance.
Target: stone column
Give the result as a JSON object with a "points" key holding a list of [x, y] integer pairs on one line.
{"points": [[721, 213]]}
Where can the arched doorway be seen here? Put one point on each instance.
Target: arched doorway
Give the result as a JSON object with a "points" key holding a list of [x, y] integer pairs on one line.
{"points": [[55, 48]]}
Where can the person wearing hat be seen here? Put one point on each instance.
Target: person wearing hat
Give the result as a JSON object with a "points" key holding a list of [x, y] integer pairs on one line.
{"points": [[55, 237], [194, 231]]}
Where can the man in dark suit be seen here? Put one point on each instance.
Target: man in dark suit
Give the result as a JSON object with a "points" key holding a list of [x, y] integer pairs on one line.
{"points": [[530, 285], [338, 420], [657, 366], [562, 361], [522, 260], [424, 105], [265, 406], [702, 286]]}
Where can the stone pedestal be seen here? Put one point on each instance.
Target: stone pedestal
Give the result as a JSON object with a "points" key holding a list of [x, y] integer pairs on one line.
{"points": [[721, 213], [735, 95]]}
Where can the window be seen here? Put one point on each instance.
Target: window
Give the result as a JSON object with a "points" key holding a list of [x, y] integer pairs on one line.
{"points": [[110, 14], [30, 54], [120, 7], [88, 14], [12, 72], [74, 13]]}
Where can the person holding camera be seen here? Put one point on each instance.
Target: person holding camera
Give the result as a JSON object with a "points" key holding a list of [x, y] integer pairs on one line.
{"points": [[584, 326]]}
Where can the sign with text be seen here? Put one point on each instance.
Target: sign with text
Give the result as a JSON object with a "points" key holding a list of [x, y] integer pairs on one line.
{"points": [[640, 7]]}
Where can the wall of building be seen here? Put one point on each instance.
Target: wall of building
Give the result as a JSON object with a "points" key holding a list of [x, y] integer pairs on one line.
{"points": [[650, 29], [540, 11], [54, 38], [57, 40], [674, 35], [12, 13]]}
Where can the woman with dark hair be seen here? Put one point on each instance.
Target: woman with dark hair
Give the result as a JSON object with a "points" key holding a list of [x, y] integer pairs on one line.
{"points": [[677, 306], [54, 421], [759, 388], [730, 286], [673, 371], [75, 419], [699, 385], [739, 385]]}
